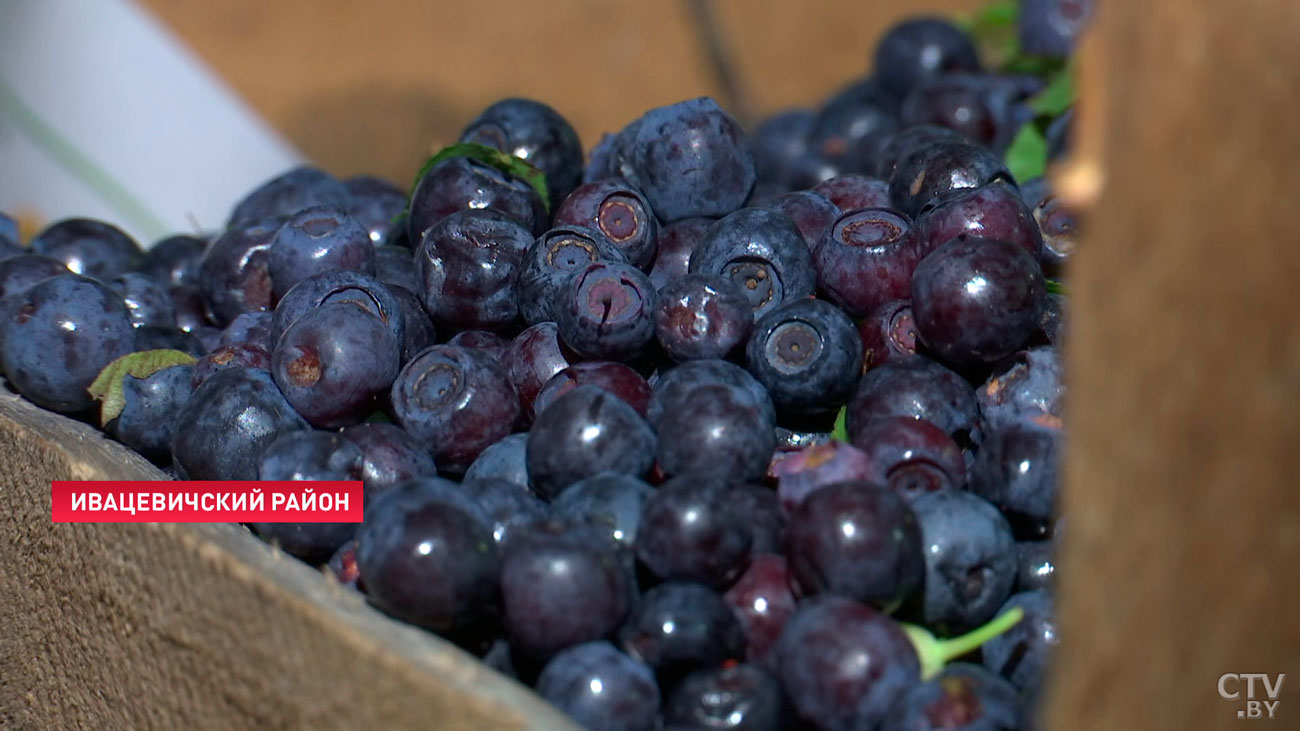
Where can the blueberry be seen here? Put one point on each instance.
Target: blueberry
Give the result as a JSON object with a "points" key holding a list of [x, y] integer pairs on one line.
{"points": [[389, 457], [460, 183], [89, 247], [986, 109], [610, 501], [335, 363], [58, 335], [393, 268], [618, 211], [428, 559], [843, 664], [690, 159], [600, 160], [467, 265], [760, 507], [533, 358], [689, 532], [763, 252], [561, 584], [316, 240], [919, 48], [583, 433], [504, 459], [309, 455], [970, 561], [234, 275], [148, 423], [508, 505], [918, 388], [617, 378], [235, 355], [811, 212], [911, 456], [962, 697], [191, 310], [702, 316], [799, 473], [741, 697], [904, 143], [852, 127], [147, 301], [936, 169], [715, 430], [780, 145], [977, 300], [601, 689], [763, 601], [167, 337], [1054, 320], [341, 286], [457, 400], [175, 259], [1029, 384], [606, 311], [679, 381], [375, 203], [993, 211], [807, 354], [11, 243], [536, 133], [250, 327], [1017, 469], [1060, 229], [853, 192], [21, 272], [287, 193], [888, 333], [1035, 565], [418, 331], [1052, 27], [488, 343], [680, 626], [228, 421], [677, 241], [1022, 654], [551, 261]]}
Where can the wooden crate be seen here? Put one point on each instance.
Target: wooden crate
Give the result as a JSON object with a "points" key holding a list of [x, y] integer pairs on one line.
{"points": [[1183, 504]]}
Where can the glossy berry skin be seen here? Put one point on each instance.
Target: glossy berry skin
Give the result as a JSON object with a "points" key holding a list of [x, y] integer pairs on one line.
{"points": [[922, 48], [618, 379], [618, 211], [490, 344], [287, 193], [1022, 654], [867, 258], [977, 300], [1052, 27], [536, 133], [702, 316], [912, 457], [904, 143], [680, 381], [456, 400], [191, 310], [58, 335], [585, 432], [89, 247], [335, 363], [393, 267], [237, 355], [20, 272], [467, 265], [799, 473], [1030, 385], [853, 192], [533, 358], [780, 145], [148, 419], [852, 126], [147, 301], [175, 259], [764, 601], [985, 108], [389, 457], [690, 159], [601, 689], [250, 327], [229, 420], [918, 388], [561, 584], [934, 170], [962, 697], [858, 540], [1059, 226], [807, 354], [508, 505], [1017, 469], [418, 331], [677, 241], [309, 455], [374, 203], [316, 240], [460, 184], [159, 337], [689, 532], [1035, 565], [843, 664], [761, 251], [504, 459], [234, 275], [811, 212], [427, 559], [760, 507], [887, 333], [715, 430], [609, 501], [343, 286], [606, 312], [740, 697], [551, 261], [993, 211], [970, 561], [679, 626]]}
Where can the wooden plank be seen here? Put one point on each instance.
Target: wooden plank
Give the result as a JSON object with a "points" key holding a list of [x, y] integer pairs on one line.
{"points": [[1184, 369]]}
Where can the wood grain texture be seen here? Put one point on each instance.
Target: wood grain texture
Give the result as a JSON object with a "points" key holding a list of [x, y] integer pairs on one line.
{"points": [[1182, 494], [200, 626]]}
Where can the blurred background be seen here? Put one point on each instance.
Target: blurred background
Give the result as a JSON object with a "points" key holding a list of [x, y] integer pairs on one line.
{"points": [[159, 114]]}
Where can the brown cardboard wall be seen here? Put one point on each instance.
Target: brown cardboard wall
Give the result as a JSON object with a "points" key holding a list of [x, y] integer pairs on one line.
{"points": [[370, 87]]}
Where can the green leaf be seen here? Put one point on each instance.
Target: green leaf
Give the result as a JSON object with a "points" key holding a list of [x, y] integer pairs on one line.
{"points": [[1057, 97], [840, 432], [378, 417], [1056, 287], [506, 163], [993, 30], [1027, 156], [107, 386]]}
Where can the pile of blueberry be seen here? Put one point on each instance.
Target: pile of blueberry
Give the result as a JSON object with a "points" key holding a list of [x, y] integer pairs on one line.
{"points": [[704, 429]]}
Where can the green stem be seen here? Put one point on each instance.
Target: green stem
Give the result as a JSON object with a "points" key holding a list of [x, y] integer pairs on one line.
{"points": [[960, 645], [1056, 287]]}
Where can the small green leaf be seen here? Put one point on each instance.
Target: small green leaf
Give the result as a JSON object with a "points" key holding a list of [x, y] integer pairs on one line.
{"points": [[840, 432], [1057, 97], [993, 30], [378, 417], [1026, 158], [1056, 287], [107, 386], [506, 163]]}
